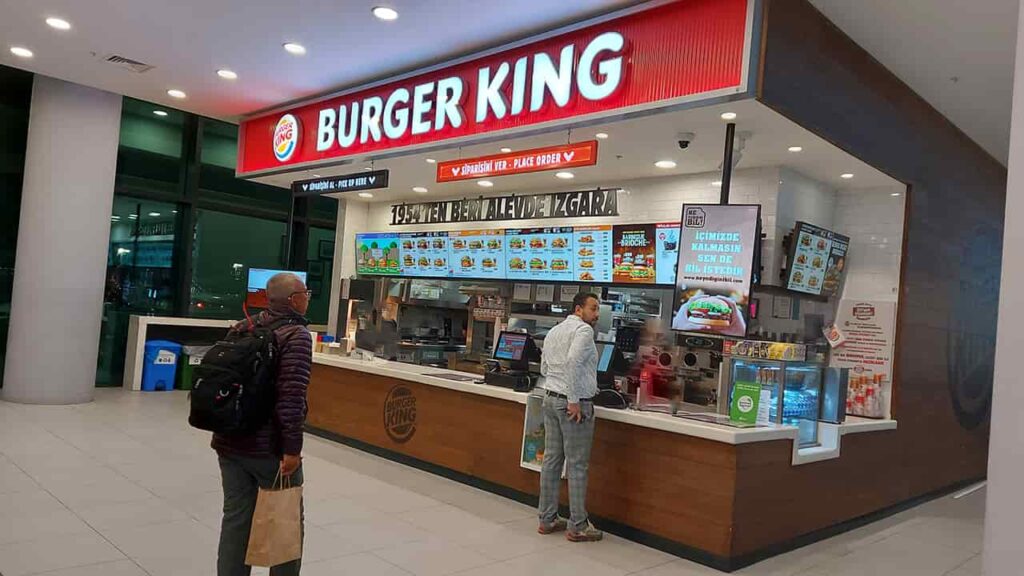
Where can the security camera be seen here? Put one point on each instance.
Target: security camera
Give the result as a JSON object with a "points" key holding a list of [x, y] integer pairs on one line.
{"points": [[684, 139]]}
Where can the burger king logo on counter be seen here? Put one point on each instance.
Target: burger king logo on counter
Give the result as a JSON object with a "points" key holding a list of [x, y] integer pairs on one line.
{"points": [[400, 414], [286, 137]]}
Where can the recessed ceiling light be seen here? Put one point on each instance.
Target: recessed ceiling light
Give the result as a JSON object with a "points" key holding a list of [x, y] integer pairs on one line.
{"points": [[227, 74], [115, 218], [565, 175], [133, 216], [716, 183], [58, 23], [420, 190], [21, 52], [666, 164], [846, 176], [154, 214], [365, 195], [174, 211], [176, 94], [796, 149], [485, 183], [601, 136], [160, 113], [316, 175], [894, 194], [385, 13], [293, 48], [368, 168], [506, 150], [431, 161], [728, 116]]}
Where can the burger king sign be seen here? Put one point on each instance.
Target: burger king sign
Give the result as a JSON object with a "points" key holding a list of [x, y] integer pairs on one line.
{"points": [[286, 137]]}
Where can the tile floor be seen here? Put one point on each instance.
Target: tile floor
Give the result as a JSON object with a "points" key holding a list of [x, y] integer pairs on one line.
{"points": [[123, 487]]}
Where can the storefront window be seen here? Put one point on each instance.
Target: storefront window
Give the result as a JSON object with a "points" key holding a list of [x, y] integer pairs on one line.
{"points": [[218, 185], [320, 267], [226, 246], [150, 153], [140, 276]]}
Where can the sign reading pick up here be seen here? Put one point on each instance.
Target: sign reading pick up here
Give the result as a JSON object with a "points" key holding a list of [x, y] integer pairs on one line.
{"points": [[582, 204], [346, 183]]}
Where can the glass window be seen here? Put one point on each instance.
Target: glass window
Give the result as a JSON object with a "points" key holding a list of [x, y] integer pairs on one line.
{"points": [[226, 246], [218, 186], [319, 267], [324, 208], [150, 152], [140, 276]]}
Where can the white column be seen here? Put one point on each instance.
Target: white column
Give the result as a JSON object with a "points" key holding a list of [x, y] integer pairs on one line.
{"points": [[1004, 512], [63, 234]]}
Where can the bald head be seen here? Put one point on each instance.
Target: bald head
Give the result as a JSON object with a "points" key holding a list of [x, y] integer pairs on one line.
{"points": [[281, 287]]}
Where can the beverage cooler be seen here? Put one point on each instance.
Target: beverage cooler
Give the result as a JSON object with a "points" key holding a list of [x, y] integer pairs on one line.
{"points": [[793, 393]]}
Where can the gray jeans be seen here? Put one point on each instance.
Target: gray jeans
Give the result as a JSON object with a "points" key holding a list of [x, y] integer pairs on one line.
{"points": [[569, 441], [242, 478]]}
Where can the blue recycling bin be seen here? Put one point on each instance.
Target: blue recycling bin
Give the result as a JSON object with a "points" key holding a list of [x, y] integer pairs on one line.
{"points": [[160, 364]]}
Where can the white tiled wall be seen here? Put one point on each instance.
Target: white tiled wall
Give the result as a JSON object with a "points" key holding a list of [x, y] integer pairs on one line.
{"points": [[873, 219]]}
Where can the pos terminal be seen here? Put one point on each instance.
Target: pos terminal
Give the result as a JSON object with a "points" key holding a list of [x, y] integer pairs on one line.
{"points": [[509, 366]]}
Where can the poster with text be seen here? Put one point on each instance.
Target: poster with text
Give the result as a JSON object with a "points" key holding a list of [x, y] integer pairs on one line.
{"points": [[541, 254], [592, 259], [377, 253], [836, 269], [868, 328], [633, 253], [666, 253], [477, 254], [713, 276], [424, 254]]}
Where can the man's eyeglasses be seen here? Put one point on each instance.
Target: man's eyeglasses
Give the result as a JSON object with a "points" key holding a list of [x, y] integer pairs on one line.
{"points": [[308, 293]]}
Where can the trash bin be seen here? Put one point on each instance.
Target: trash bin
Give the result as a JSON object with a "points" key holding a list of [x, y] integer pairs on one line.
{"points": [[160, 365], [191, 356]]}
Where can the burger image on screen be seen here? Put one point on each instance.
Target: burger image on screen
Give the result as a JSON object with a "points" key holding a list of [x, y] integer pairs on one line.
{"points": [[476, 244], [538, 243], [537, 264], [805, 240], [458, 244], [587, 239], [587, 263], [798, 278], [586, 252], [424, 262], [422, 245], [408, 260], [586, 276], [559, 243], [559, 264], [517, 264], [407, 244], [709, 311], [439, 262], [494, 244], [489, 263], [467, 262], [438, 243], [516, 243]]}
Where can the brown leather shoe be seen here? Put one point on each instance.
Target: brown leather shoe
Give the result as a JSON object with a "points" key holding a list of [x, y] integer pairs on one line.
{"points": [[557, 526], [588, 534]]}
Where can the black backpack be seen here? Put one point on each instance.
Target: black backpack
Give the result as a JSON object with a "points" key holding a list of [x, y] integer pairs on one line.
{"points": [[233, 388]]}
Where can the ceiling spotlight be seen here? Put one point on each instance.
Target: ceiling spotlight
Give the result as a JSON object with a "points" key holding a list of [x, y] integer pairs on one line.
{"points": [[485, 183], [601, 136], [895, 194], [565, 175], [728, 116], [385, 13], [316, 175], [368, 168], [506, 150], [365, 195], [666, 164], [846, 176], [115, 218], [796, 149], [227, 74], [58, 23], [160, 113], [21, 52], [154, 214], [716, 183], [176, 94], [431, 161], [420, 190], [293, 48]]}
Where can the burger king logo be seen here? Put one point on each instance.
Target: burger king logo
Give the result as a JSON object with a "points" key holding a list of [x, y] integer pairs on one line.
{"points": [[400, 414], [286, 137]]}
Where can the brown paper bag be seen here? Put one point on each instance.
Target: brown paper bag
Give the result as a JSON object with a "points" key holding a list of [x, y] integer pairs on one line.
{"points": [[276, 534]]}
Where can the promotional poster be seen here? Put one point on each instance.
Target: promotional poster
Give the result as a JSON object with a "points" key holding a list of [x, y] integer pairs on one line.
{"points": [[713, 276], [633, 254]]}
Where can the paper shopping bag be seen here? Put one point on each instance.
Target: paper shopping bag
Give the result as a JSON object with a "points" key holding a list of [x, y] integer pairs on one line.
{"points": [[276, 534]]}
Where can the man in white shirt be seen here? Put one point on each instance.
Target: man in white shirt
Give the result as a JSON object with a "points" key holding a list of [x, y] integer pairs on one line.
{"points": [[569, 367]]}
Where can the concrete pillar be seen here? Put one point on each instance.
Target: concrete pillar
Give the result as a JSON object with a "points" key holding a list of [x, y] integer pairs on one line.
{"points": [[1004, 512], [63, 235]]}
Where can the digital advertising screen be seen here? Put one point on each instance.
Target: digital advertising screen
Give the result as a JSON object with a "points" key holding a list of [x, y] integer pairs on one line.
{"points": [[666, 252], [377, 253], [477, 254], [256, 286], [424, 254], [817, 260], [539, 254], [592, 253], [633, 253]]}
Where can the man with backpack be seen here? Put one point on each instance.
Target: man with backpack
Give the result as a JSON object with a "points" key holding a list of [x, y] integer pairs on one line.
{"points": [[266, 362]]}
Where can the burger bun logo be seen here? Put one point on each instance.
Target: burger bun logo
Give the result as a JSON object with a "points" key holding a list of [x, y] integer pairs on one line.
{"points": [[286, 137]]}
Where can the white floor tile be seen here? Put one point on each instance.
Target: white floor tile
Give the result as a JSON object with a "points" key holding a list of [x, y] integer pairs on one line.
{"points": [[433, 557], [895, 555], [561, 561], [337, 510], [53, 525], [365, 564], [164, 541], [119, 568], [373, 534], [131, 514], [46, 555], [448, 521]]}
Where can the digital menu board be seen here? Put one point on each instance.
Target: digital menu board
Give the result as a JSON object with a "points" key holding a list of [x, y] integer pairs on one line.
{"points": [[424, 254], [477, 254], [592, 253], [539, 254], [377, 253], [633, 253], [817, 259], [666, 252]]}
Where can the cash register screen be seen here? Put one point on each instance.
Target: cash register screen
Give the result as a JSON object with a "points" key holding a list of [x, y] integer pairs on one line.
{"points": [[511, 346], [604, 360]]}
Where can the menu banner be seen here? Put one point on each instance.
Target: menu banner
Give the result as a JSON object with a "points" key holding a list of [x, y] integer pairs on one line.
{"points": [[580, 204], [633, 253], [592, 256], [666, 253], [536, 160], [477, 254], [713, 276], [377, 253], [817, 259], [424, 254], [539, 254]]}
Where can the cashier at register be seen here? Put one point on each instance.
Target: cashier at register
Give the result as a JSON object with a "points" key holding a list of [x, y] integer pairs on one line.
{"points": [[569, 367]]}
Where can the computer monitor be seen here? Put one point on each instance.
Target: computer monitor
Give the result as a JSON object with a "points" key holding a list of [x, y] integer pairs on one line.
{"points": [[511, 346], [256, 287], [605, 352]]}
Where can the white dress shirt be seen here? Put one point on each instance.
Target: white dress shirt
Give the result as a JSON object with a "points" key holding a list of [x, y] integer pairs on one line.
{"points": [[569, 360]]}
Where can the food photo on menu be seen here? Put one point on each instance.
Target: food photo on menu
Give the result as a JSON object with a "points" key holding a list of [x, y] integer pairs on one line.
{"points": [[592, 257], [477, 254], [634, 254], [700, 311]]}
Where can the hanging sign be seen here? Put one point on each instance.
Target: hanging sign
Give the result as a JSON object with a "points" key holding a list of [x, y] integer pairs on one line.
{"points": [[637, 61], [346, 183], [582, 204], [536, 160]]}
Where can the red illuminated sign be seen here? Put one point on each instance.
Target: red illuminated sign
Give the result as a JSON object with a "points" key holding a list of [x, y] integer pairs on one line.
{"points": [[676, 53], [536, 160]]}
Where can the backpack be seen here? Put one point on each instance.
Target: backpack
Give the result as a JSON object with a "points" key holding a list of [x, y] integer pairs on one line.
{"points": [[233, 388]]}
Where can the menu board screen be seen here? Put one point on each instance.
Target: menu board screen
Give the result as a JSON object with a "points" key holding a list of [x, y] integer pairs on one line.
{"points": [[666, 253], [477, 254], [539, 254], [817, 258], [424, 254], [592, 256], [633, 253], [377, 253]]}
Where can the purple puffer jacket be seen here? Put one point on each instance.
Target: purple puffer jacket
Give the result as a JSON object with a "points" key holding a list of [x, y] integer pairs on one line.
{"points": [[282, 434]]}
